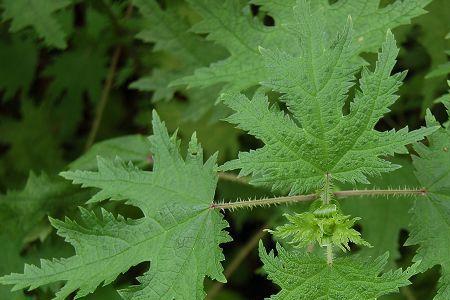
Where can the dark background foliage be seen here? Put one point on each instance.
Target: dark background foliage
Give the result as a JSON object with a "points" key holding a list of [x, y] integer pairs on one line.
{"points": [[101, 80]]}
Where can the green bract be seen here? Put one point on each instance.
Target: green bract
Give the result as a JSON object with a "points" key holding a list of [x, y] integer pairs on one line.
{"points": [[332, 229]]}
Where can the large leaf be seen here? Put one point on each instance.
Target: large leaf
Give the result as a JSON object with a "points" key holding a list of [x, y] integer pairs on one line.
{"points": [[430, 227], [316, 140], [179, 233]]}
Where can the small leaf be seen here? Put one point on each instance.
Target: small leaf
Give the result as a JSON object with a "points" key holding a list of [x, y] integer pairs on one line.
{"points": [[331, 229]]}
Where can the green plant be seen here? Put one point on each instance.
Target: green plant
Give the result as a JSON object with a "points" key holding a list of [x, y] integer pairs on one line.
{"points": [[307, 88]]}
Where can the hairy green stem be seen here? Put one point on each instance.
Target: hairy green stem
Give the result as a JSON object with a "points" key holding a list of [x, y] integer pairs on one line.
{"points": [[387, 192], [263, 202], [330, 254], [311, 197], [326, 192]]}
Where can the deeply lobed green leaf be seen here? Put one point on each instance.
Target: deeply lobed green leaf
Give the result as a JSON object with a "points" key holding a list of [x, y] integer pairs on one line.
{"points": [[308, 227], [430, 227], [315, 138], [178, 222]]}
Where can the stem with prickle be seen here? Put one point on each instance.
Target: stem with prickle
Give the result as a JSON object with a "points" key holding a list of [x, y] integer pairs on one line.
{"points": [[310, 197], [329, 254], [326, 195], [326, 191]]}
